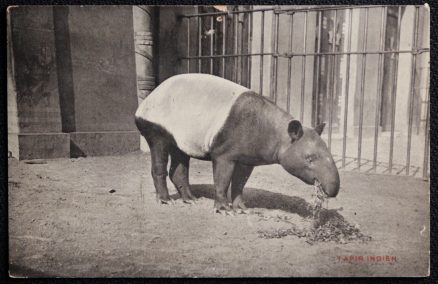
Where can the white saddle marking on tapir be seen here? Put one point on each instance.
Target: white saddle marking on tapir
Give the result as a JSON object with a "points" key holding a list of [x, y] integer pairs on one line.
{"points": [[193, 108]]}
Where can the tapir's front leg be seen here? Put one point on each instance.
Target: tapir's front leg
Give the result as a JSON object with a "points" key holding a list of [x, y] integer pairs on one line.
{"points": [[222, 173], [240, 177]]}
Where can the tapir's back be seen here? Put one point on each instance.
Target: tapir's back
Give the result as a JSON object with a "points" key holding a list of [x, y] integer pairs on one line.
{"points": [[192, 107]]}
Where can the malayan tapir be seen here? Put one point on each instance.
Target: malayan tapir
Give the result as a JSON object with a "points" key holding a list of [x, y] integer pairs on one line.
{"points": [[210, 118]]}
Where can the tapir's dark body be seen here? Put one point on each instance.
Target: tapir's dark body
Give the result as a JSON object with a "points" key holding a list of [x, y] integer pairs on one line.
{"points": [[255, 132]]}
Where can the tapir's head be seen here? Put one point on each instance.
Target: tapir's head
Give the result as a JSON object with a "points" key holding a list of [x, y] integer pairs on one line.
{"points": [[305, 155]]}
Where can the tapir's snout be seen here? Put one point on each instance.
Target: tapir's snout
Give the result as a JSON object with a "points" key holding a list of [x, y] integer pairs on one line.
{"points": [[332, 185]]}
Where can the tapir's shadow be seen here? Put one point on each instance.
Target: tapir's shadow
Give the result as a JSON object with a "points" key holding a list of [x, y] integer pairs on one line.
{"points": [[259, 198]]}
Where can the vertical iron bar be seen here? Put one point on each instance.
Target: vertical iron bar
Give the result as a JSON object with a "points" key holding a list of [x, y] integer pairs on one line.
{"points": [[262, 48], [412, 92], [379, 86], [318, 65], [277, 27], [303, 69], [394, 91], [212, 32], [240, 58], [188, 44], [347, 87], [274, 49], [199, 43], [362, 90], [249, 50], [224, 40], [235, 26], [426, 130], [332, 93], [289, 62]]}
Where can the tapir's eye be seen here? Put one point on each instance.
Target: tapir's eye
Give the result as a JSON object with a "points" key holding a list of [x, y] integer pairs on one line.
{"points": [[310, 158]]}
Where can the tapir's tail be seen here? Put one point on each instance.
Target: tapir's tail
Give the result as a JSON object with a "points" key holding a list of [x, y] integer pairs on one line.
{"points": [[149, 129], [142, 125]]}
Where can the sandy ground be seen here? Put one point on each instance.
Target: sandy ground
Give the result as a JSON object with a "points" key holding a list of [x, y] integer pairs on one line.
{"points": [[97, 217]]}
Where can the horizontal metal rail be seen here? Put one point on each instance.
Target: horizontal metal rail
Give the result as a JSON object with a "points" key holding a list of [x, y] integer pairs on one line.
{"points": [[291, 10], [286, 55], [228, 12], [334, 7]]}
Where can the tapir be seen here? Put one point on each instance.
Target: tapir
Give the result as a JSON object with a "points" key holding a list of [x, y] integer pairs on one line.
{"points": [[210, 118]]}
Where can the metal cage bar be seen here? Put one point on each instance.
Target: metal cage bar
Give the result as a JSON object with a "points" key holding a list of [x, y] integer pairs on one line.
{"points": [[394, 95], [347, 87], [412, 91], [188, 44], [262, 48], [250, 49], [333, 79], [274, 65], [289, 63], [303, 69], [236, 46], [239, 38], [211, 43], [426, 130], [362, 92], [318, 64], [199, 44], [224, 41], [379, 87]]}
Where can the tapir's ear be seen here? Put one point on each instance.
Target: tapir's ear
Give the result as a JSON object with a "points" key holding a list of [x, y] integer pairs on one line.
{"points": [[295, 130], [319, 128]]}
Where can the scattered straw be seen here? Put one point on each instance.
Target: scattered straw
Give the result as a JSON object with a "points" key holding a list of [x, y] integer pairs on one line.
{"points": [[334, 230]]}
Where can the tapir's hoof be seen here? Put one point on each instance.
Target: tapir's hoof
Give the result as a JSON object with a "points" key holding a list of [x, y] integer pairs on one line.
{"points": [[189, 201], [240, 207], [187, 196], [169, 201], [242, 211], [222, 208], [223, 212], [221, 205]]}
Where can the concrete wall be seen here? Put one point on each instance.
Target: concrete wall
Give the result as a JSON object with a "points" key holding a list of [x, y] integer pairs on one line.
{"points": [[34, 127], [104, 78], [74, 80]]}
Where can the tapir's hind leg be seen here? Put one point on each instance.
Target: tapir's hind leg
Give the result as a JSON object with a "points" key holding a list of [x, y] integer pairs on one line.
{"points": [[240, 177], [159, 145], [179, 173], [160, 158]]}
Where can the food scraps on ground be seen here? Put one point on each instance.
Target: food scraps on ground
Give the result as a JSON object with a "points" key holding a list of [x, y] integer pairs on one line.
{"points": [[334, 230]]}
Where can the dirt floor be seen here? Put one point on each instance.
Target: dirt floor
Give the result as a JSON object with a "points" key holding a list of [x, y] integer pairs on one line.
{"points": [[97, 217]]}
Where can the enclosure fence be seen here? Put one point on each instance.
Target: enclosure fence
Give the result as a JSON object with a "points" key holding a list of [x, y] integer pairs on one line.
{"points": [[362, 69]]}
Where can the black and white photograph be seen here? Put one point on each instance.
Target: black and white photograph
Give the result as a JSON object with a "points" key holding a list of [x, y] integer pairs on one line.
{"points": [[218, 141]]}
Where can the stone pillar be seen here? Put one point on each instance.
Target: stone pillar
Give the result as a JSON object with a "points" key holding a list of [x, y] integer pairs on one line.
{"points": [[98, 78], [143, 37], [34, 119]]}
